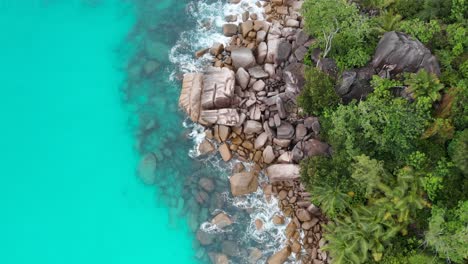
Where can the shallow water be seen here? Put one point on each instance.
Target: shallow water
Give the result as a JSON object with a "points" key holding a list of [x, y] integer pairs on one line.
{"points": [[88, 87], [68, 190]]}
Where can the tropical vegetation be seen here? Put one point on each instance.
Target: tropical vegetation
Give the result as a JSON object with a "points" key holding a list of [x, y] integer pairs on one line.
{"points": [[395, 188]]}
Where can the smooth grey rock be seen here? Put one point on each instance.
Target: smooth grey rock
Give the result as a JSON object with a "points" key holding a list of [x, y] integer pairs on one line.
{"points": [[268, 155], [280, 106], [347, 79], [285, 131], [261, 140], [243, 58], [261, 35], [300, 53], [242, 78], [405, 53], [252, 127], [301, 131], [262, 51], [218, 88], [284, 50], [301, 37], [258, 73], [314, 147], [297, 153], [259, 86], [230, 30]]}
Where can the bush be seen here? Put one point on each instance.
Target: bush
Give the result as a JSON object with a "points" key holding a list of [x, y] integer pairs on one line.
{"points": [[423, 31], [340, 30], [448, 233], [458, 150], [318, 93]]}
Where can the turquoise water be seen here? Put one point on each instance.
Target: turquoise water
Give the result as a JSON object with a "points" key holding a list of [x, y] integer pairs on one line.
{"points": [[69, 193]]}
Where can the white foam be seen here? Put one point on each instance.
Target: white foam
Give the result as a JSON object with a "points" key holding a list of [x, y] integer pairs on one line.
{"points": [[207, 30]]}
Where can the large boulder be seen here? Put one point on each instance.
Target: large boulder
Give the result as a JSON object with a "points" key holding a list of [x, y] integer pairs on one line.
{"points": [[243, 58], [230, 30], [262, 51], [243, 183], [314, 147], [284, 50], [225, 116], [147, 169], [252, 127], [190, 95], [242, 78], [218, 88], [285, 131], [222, 220], [355, 84], [283, 172], [280, 257], [402, 53]]}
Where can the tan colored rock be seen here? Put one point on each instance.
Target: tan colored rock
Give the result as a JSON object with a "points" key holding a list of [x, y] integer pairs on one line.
{"points": [[290, 229], [243, 183], [246, 27], [224, 132], [206, 147], [278, 220], [258, 224], [283, 172], [226, 116], [280, 257], [221, 220], [216, 49], [242, 78], [225, 152], [261, 140], [252, 127], [201, 52], [190, 96], [230, 30], [238, 167], [221, 259], [310, 224], [296, 247], [218, 88], [268, 155], [255, 255], [303, 215], [248, 145], [286, 157]]}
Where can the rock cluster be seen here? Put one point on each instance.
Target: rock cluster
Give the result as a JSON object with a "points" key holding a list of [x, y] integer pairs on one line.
{"points": [[247, 101], [306, 219]]}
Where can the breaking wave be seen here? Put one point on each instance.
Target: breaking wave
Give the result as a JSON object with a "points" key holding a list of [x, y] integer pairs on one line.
{"points": [[206, 31]]}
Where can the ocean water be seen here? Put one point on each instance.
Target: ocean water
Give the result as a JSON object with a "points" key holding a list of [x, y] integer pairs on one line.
{"points": [[68, 189], [88, 88]]}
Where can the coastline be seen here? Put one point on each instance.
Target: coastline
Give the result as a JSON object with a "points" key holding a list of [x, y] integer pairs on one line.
{"points": [[247, 104]]}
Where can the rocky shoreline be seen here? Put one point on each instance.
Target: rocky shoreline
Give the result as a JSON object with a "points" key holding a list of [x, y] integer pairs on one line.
{"points": [[247, 102]]}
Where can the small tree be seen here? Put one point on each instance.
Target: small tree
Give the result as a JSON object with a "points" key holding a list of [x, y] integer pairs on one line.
{"points": [[340, 31], [319, 92]]}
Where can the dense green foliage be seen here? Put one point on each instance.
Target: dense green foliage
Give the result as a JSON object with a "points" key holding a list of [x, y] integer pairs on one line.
{"points": [[318, 93], [340, 30], [395, 187]]}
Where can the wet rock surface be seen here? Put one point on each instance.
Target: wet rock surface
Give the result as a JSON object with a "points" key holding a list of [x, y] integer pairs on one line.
{"points": [[247, 105]]}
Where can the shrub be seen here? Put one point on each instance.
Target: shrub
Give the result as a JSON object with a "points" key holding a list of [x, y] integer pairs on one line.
{"points": [[448, 233], [318, 93], [340, 30], [423, 31], [458, 150]]}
